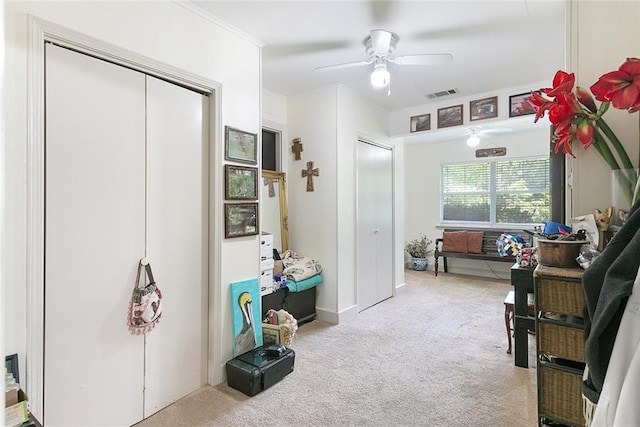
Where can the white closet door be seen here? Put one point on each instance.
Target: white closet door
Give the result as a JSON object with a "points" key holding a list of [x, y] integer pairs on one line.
{"points": [[375, 224], [94, 236], [177, 236]]}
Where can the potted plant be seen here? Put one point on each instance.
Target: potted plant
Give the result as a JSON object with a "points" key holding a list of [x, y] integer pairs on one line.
{"points": [[419, 250]]}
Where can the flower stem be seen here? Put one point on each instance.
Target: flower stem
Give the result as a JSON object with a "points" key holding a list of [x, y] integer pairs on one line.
{"points": [[617, 145]]}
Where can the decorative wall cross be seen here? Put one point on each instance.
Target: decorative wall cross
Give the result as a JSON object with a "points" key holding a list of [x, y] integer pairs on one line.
{"points": [[297, 148], [310, 172], [269, 182]]}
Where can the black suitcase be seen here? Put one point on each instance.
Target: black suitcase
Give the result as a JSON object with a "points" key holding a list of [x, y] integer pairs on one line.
{"points": [[254, 371]]}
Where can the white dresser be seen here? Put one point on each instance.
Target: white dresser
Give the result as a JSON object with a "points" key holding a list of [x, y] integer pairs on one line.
{"points": [[266, 264]]}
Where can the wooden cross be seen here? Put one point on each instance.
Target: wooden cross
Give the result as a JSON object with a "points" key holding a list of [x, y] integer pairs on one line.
{"points": [[269, 182], [297, 148], [310, 172]]}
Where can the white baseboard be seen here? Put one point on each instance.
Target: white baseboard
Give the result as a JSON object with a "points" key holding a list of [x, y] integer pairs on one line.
{"points": [[335, 318], [402, 287]]}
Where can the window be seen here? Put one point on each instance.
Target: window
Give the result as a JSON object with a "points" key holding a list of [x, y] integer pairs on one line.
{"points": [[494, 192]]}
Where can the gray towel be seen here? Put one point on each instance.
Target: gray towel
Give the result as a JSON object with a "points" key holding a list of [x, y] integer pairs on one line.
{"points": [[607, 285]]}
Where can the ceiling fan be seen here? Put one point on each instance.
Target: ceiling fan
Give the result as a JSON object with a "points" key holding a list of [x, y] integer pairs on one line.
{"points": [[380, 45], [475, 132]]}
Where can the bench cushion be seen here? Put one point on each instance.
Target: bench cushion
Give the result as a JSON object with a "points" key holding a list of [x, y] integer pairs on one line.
{"points": [[474, 241], [455, 241]]}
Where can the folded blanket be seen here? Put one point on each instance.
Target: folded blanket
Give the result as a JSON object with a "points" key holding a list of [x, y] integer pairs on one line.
{"points": [[304, 284], [298, 267]]}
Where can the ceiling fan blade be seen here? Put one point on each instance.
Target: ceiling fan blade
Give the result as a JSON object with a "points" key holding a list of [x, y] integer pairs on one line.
{"points": [[424, 59], [380, 41], [284, 50], [346, 65]]}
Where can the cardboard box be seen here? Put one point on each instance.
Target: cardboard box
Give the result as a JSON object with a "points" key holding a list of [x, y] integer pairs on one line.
{"points": [[10, 398], [18, 413]]}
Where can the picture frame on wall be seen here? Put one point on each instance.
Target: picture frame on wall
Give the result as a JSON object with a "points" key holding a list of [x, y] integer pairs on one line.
{"points": [[519, 105], [450, 116], [485, 108], [240, 219], [240, 146], [420, 123], [240, 183]]}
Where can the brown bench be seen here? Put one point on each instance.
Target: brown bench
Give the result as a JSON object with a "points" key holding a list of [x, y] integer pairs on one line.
{"points": [[489, 248]]}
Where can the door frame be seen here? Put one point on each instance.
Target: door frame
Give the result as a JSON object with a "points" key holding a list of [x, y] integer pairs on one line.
{"points": [[40, 32], [367, 140]]}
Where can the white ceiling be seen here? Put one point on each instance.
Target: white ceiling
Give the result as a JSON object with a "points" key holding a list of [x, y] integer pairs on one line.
{"points": [[495, 44]]}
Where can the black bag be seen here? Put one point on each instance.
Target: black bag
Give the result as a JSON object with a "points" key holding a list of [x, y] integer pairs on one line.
{"points": [[254, 371]]}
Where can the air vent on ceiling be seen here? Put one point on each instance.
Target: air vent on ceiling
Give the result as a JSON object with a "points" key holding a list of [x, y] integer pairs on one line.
{"points": [[442, 93]]}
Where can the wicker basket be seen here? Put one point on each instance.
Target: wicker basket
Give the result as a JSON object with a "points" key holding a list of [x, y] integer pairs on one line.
{"points": [[561, 396], [559, 253], [561, 341], [559, 296]]}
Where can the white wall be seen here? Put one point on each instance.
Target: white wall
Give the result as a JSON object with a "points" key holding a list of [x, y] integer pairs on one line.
{"points": [[312, 117], [322, 223], [422, 186], [356, 118], [163, 31], [604, 34]]}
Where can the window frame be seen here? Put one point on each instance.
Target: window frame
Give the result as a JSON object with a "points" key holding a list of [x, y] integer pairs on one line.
{"points": [[492, 194]]}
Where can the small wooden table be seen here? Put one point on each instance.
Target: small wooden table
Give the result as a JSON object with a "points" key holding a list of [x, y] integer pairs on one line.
{"points": [[522, 281]]}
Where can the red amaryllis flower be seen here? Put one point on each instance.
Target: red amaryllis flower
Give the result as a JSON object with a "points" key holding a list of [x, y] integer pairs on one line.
{"points": [[564, 138], [621, 87], [563, 110], [584, 133], [586, 99], [562, 83], [540, 104]]}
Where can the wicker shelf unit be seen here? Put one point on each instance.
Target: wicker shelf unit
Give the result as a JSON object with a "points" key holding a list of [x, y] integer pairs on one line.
{"points": [[559, 299]]}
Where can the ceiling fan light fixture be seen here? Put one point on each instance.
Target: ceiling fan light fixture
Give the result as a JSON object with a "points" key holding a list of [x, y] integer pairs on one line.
{"points": [[380, 76], [473, 141]]}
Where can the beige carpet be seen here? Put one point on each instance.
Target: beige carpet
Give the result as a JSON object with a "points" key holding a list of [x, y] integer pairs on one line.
{"points": [[433, 356]]}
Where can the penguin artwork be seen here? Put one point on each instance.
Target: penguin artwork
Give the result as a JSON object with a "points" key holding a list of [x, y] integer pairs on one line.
{"points": [[245, 340]]}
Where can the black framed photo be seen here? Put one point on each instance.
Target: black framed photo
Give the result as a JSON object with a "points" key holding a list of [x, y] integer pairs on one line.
{"points": [[450, 116], [240, 183], [240, 146], [420, 123], [485, 108], [519, 105], [240, 219]]}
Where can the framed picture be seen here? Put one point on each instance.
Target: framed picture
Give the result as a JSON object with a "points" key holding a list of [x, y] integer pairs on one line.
{"points": [[240, 219], [240, 183], [485, 108], [420, 123], [450, 116], [519, 105], [245, 314], [272, 334], [240, 146]]}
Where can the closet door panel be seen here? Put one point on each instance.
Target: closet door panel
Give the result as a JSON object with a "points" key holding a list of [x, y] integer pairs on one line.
{"points": [[367, 226], [177, 217], [384, 211], [94, 236]]}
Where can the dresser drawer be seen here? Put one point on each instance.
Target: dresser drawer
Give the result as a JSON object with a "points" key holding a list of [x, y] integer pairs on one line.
{"points": [[566, 342], [560, 296], [560, 393]]}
